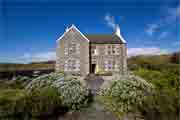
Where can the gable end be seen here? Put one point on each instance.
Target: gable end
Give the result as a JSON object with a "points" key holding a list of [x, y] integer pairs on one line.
{"points": [[68, 29]]}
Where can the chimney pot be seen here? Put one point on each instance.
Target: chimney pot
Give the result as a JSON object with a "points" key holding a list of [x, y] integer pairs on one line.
{"points": [[67, 28]]}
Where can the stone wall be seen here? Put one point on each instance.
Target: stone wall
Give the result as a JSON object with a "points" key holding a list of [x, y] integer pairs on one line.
{"points": [[110, 57], [73, 53], [76, 55]]}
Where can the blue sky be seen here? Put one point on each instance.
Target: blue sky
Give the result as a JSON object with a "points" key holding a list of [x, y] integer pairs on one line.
{"points": [[29, 29]]}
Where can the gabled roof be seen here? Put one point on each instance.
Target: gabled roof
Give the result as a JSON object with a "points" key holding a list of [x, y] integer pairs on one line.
{"points": [[68, 29], [104, 39], [115, 38]]}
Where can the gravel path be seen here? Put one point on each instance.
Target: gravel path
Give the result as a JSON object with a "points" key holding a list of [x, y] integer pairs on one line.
{"points": [[97, 110], [94, 83]]}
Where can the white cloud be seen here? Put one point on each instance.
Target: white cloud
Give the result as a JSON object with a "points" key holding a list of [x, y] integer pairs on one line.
{"points": [[110, 20], [176, 43], [178, 11], [151, 29], [175, 11], [145, 51], [28, 57], [171, 18], [163, 35], [25, 58], [45, 56]]}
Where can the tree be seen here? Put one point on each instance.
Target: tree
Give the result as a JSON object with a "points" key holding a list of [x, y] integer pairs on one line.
{"points": [[175, 58]]}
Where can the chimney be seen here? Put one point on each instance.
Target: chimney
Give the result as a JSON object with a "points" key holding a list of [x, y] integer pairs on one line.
{"points": [[117, 31], [67, 28]]}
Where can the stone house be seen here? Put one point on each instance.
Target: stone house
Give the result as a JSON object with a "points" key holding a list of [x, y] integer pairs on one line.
{"points": [[98, 53]]}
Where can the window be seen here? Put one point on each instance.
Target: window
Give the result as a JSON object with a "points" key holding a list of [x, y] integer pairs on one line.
{"points": [[114, 63], [94, 50], [108, 65], [72, 48], [109, 52], [72, 65], [111, 49], [117, 49], [111, 65]]}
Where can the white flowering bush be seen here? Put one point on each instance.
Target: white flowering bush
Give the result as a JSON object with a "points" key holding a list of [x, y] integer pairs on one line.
{"points": [[125, 94], [44, 80], [72, 89], [74, 92]]}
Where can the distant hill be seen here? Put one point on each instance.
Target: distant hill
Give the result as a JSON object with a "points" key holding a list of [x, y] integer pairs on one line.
{"points": [[49, 65], [155, 59], [4, 67]]}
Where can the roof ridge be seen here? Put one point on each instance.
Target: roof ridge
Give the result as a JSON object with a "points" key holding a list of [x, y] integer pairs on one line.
{"points": [[72, 27], [98, 34]]}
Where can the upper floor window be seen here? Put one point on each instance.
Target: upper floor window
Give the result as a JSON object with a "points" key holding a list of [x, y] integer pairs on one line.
{"points": [[94, 50], [111, 49], [72, 48], [109, 46], [109, 52]]}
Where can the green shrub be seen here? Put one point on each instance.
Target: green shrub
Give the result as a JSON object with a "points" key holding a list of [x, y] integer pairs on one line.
{"points": [[165, 100], [43, 101], [44, 96], [20, 104], [17, 83], [44, 80], [12, 102], [74, 92], [125, 94]]}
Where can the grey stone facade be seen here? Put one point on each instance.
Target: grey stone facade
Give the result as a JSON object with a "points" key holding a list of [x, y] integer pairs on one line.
{"points": [[78, 54], [109, 57]]}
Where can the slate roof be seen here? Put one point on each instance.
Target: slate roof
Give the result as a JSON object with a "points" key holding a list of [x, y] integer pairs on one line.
{"points": [[104, 39]]}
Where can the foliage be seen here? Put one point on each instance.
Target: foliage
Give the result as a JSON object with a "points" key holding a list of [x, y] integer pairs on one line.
{"points": [[175, 58], [158, 67], [20, 104], [44, 95], [44, 80], [12, 102], [43, 101], [74, 92], [17, 83], [125, 94], [166, 97], [20, 67], [151, 59]]}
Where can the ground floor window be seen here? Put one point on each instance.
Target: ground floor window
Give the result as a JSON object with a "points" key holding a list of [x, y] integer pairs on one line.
{"points": [[111, 65], [72, 65]]}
